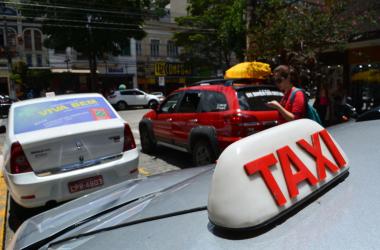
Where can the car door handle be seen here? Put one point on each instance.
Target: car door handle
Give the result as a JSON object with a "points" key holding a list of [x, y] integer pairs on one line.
{"points": [[169, 119], [193, 120]]}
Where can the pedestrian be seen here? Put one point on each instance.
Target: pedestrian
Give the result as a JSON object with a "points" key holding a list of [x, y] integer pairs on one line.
{"points": [[30, 94], [122, 87], [338, 97], [293, 104], [321, 103]]}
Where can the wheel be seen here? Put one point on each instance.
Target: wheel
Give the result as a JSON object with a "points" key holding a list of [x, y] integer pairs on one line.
{"points": [[122, 105], [202, 153], [152, 104], [147, 144]]}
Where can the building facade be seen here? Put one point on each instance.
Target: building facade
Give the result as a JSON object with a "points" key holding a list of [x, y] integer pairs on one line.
{"points": [[19, 41], [151, 64], [159, 67]]}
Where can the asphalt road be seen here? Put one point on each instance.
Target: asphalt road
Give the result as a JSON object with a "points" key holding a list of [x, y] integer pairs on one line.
{"points": [[163, 160]]}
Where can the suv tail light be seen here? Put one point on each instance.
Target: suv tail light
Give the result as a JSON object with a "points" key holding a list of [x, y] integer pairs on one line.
{"points": [[129, 141], [19, 162], [243, 125]]}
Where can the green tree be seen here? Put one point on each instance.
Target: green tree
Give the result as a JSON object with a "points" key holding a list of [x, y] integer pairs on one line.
{"points": [[298, 31], [215, 32], [93, 28]]}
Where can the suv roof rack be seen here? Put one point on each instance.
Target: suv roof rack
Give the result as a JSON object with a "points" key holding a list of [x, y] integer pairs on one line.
{"points": [[225, 82]]}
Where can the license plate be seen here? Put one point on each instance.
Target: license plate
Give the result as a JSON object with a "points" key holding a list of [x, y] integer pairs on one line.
{"points": [[76, 186]]}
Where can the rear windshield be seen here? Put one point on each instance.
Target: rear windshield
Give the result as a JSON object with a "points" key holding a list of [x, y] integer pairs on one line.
{"points": [[58, 113], [256, 99]]}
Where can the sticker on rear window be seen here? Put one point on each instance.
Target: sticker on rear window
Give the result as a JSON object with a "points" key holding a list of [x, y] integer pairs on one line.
{"points": [[59, 113], [263, 93]]}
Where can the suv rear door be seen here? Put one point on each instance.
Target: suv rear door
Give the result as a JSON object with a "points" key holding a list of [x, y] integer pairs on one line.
{"points": [[186, 117], [128, 96], [140, 98], [252, 103]]}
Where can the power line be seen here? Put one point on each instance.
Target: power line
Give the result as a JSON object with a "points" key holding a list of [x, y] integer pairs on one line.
{"points": [[73, 8], [148, 13], [111, 23]]}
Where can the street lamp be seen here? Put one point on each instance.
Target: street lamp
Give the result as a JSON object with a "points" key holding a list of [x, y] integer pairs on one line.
{"points": [[67, 60]]}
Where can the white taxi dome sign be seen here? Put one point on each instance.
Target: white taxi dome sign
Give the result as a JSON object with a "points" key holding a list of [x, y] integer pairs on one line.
{"points": [[265, 174]]}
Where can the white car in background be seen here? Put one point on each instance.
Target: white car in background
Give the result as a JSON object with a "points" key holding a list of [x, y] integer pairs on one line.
{"points": [[59, 148], [121, 99], [160, 95]]}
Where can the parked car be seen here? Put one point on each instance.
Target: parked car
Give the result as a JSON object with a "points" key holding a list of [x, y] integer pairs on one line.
{"points": [[170, 210], [121, 99], [373, 114], [5, 104], [59, 148], [205, 119], [160, 95]]}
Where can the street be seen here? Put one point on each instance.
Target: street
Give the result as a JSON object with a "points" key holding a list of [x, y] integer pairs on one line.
{"points": [[163, 160]]}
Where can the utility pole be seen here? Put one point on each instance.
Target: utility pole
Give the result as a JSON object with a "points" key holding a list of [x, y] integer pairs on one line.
{"points": [[91, 55], [250, 19], [11, 87]]}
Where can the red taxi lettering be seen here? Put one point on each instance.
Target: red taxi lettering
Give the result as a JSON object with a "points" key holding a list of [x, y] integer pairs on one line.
{"points": [[288, 158], [262, 165], [338, 157], [321, 161]]}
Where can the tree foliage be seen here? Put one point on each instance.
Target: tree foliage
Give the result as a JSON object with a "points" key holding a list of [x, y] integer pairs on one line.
{"points": [[216, 32], [299, 30]]}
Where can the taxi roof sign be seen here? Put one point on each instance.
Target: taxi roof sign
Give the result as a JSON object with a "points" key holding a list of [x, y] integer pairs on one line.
{"points": [[262, 176]]}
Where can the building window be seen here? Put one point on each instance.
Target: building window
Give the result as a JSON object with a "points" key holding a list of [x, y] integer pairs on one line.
{"points": [[39, 60], [12, 38], [29, 60], [28, 39], [172, 49], [37, 40], [126, 51], [138, 48], [155, 48]]}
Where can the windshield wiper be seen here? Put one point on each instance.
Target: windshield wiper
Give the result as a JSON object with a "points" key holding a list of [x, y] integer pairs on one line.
{"points": [[153, 218]]}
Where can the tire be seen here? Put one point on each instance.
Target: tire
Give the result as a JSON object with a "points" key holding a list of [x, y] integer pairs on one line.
{"points": [[121, 105], [202, 153], [152, 103], [147, 144]]}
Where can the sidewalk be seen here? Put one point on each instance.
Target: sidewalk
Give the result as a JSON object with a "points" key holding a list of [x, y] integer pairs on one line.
{"points": [[3, 200]]}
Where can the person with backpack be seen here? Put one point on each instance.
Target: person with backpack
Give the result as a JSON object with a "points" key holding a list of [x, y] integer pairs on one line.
{"points": [[294, 105]]}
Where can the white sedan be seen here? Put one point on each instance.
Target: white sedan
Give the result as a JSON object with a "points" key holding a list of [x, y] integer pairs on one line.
{"points": [[59, 148]]}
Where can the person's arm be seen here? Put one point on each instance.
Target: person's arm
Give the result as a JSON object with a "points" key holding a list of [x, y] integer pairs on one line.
{"points": [[288, 116], [298, 107]]}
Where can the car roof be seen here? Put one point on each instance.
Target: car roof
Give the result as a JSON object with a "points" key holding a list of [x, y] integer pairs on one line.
{"points": [[54, 98], [222, 87], [343, 217]]}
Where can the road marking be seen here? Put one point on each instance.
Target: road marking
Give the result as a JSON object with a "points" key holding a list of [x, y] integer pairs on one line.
{"points": [[143, 171], [3, 210]]}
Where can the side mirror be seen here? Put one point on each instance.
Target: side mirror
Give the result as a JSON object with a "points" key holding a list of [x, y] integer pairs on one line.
{"points": [[154, 106], [3, 129]]}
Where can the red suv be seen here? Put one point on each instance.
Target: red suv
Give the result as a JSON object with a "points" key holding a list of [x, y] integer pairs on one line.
{"points": [[205, 119]]}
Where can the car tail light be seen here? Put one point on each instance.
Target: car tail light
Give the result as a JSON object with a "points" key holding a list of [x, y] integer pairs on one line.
{"points": [[111, 96], [19, 162], [129, 141]]}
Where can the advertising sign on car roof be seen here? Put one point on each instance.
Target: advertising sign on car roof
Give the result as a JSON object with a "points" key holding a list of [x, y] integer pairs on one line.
{"points": [[55, 113]]}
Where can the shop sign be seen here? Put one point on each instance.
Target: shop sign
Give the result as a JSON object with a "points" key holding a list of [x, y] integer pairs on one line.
{"points": [[171, 69]]}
